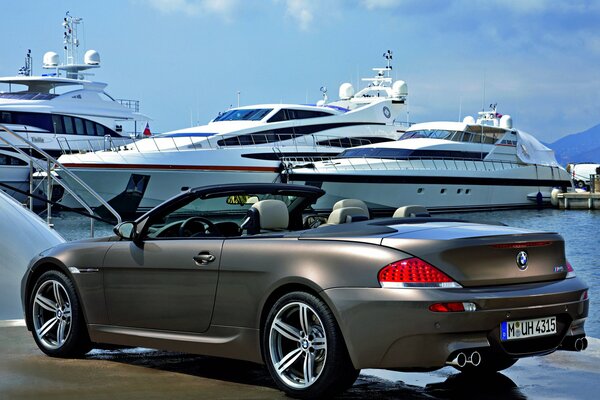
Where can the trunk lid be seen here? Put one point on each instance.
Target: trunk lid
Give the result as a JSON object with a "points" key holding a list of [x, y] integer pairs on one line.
{"points": [[482, 255]]}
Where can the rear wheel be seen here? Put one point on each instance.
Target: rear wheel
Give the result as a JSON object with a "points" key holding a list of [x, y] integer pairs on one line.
{"points": [[304, 348], [57, 319], [580, 184]]}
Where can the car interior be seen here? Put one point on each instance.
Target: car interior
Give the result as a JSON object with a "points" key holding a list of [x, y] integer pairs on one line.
{"points": [[250, 214]]}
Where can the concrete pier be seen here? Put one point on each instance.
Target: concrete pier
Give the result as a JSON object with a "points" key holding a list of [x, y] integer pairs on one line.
{"points": [[579, 201], [26, 373]]}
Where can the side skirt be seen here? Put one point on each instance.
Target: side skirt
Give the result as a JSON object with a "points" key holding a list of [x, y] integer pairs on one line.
{"points": [[219, 341]]}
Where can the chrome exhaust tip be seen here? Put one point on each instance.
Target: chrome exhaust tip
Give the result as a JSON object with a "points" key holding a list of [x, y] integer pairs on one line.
{"points": [[475, 358], [461, 359], [581, 344]]}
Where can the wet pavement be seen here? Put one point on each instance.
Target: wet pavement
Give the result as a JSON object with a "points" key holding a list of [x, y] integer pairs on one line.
{"points": [[26, 373]]}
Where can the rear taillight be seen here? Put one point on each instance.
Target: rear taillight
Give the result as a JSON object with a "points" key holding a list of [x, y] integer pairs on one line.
{"points": [[414, 273], [570, 271], [453, 307]]}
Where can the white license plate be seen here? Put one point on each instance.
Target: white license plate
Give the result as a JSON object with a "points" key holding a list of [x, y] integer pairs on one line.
{"points": [[527, 328]]}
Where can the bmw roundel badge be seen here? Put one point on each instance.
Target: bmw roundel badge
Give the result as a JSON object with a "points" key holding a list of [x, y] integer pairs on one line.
{"points": [[522, 259]]}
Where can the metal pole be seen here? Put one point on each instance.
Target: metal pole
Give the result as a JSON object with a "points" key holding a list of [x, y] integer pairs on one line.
{"points": [[49, 195], [30, 184]]}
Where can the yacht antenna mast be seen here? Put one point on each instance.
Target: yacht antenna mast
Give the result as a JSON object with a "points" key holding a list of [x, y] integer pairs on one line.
{"points": [[70, 39], [388, 56], [26, 70]]}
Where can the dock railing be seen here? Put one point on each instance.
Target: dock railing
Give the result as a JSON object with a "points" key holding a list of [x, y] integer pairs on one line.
{"points": [[44, 163]]}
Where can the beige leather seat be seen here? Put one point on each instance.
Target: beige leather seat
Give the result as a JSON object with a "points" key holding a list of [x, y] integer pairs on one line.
{"points": [[411, 212], [351, 203], [347, 214], [266, 216]]}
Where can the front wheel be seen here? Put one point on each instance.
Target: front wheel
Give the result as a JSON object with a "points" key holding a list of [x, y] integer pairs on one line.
{"points": [[57, 319], [304, 348]]}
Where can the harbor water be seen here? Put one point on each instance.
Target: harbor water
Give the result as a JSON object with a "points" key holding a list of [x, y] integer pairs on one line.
{"points": [[579, 228]]}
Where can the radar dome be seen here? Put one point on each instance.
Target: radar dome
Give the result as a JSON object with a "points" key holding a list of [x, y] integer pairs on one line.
{"points": [[91, 57], [346, 91], [399, 89], [469, 120], [50, 59], [506, 122]]}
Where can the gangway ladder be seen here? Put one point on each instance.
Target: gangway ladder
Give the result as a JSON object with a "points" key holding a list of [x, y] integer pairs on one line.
{"points": [[44, 164]]}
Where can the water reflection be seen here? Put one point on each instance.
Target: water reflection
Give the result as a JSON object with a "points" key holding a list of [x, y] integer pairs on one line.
{"points": [[469, 386]]}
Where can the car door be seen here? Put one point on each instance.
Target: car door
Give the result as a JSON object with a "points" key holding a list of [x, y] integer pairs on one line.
{"points": [[161, 285], [164, 280]]}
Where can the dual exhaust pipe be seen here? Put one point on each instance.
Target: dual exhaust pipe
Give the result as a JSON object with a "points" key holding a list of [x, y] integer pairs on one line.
{"points": [[462, 359]]}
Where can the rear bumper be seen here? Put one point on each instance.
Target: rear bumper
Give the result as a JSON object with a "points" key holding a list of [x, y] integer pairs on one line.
{"points": [[394, 329]]}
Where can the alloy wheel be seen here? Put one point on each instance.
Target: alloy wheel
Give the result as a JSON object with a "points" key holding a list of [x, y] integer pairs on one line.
{"points": [[52, 317], [297, 345]]}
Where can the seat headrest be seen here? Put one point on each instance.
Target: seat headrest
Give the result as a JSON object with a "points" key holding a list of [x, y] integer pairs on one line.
{"points": [[347, 214], [351, 203], [411, 211], [272, 214]]}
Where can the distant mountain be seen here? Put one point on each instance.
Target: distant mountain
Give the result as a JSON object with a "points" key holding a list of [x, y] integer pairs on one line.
{"points": [[578, 147]]}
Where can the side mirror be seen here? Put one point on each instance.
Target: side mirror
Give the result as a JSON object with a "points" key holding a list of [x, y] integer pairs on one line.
{"points": [[125, 230]]}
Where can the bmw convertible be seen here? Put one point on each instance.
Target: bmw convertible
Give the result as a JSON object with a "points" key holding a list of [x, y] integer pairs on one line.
{"points": [[251, 272]]}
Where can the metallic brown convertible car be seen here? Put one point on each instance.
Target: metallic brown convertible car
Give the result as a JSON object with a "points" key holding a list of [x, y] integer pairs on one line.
{"points": [[250, 272]]}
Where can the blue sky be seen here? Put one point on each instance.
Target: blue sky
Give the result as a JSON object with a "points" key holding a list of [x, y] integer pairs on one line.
{"points": [[185, 60]]}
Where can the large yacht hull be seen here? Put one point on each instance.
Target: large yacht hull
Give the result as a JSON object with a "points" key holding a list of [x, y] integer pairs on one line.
{"points": [[509, 186], [123, 187]]}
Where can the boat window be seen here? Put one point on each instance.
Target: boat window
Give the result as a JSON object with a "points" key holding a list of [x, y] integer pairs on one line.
{"points": [[69, 128], [6, 117], [89, 127], [39, 120], [290, 114], [100, 130], [353, 141], [79, 127], [428, 133], [243, 115], [410, 154], [280, 115], [28, 96], [5, 159], [58, 124]]}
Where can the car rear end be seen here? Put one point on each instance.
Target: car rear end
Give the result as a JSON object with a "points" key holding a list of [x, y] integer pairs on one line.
{"points": [[468, 294]]}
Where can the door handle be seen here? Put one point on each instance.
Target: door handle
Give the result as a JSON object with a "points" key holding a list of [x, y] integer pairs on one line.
{"points": [[204, 258]]}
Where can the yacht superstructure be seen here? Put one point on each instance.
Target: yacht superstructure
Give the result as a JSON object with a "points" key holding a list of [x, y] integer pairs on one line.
{"points": [[444, 166]]}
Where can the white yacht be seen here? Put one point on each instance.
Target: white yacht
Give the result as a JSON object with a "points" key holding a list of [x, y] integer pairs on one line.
{"points": [[243, 144], [444, 166], [61, 110]]}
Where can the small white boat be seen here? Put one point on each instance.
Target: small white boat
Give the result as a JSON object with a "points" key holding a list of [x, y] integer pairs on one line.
{"points": [[444, 166], [244, 144]]}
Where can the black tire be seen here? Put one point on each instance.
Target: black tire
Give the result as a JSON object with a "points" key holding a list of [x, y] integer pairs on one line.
{"points": [[58, 324], [580, 184], [489, 365], [320, 349]]}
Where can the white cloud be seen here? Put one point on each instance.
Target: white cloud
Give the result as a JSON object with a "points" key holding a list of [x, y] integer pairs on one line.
{"points": [[302, 11], [223, 8]]}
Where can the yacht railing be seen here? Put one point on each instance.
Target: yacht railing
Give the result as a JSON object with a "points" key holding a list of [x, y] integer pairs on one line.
{"points": [[383, 164], [45, 164], [133, 105]]}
